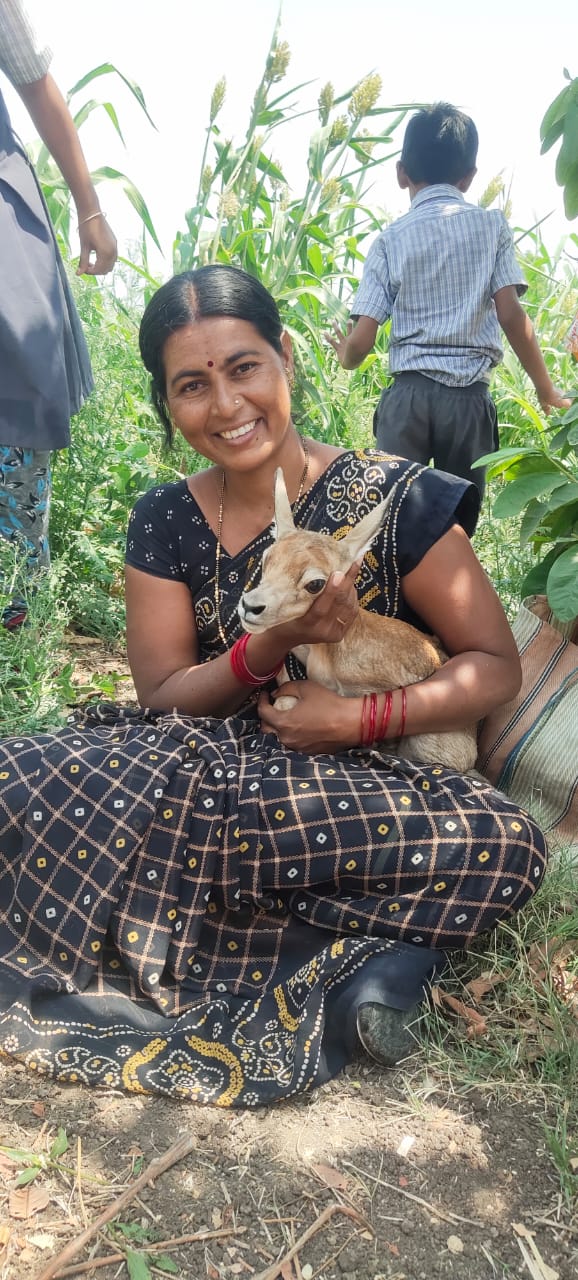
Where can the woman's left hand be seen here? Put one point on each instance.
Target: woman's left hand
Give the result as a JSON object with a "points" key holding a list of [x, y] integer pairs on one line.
{"points": [[321, 722]]}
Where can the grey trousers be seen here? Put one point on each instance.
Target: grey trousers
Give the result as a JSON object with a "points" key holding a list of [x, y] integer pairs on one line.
{"points": [[421, 419]]}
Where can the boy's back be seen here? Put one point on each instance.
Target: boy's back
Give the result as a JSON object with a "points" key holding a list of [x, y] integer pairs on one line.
{"points": [[446, 273], [435, 272]]}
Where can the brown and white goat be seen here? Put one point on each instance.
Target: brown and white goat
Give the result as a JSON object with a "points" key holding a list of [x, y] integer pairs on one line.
{"points": [[375, 654]]}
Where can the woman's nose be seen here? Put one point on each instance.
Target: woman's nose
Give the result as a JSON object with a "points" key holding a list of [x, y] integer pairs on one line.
{"points": [[224, 400]]}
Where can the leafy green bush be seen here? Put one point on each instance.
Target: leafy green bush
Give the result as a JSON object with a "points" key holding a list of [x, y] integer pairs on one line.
{"points": [[542, 487]]}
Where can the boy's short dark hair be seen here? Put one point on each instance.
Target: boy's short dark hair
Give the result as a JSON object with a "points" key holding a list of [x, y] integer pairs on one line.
{"points": [[440, 145]]}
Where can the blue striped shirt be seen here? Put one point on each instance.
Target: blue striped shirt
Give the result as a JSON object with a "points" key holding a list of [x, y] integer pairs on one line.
{"points": [[435, 272]]}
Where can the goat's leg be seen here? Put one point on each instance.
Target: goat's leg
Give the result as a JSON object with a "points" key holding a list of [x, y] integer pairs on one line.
{"points": [[286, 703]]}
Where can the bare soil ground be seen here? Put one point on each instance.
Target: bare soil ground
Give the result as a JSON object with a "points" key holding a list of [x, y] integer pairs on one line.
{"points": [[421, 1184], [259, 1180]]}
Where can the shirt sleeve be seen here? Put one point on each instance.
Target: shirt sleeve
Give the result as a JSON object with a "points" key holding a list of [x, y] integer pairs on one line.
{"points": [[375, 297], [24, 54], [506, 269], [152, 542], [435, 502]]}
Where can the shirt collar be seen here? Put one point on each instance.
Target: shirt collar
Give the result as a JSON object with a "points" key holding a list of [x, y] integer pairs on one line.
{"points": [[438, 191]]}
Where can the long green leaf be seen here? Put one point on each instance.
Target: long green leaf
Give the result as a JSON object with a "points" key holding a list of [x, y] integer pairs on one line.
{"points": [[106, 174], [108, 68], [87, 109]]}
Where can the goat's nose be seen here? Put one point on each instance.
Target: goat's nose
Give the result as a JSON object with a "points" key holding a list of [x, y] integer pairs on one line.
{"points": [[254, 608]]}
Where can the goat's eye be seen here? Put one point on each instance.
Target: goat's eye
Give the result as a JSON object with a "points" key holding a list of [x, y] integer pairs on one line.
{"points": [[315, 586]]}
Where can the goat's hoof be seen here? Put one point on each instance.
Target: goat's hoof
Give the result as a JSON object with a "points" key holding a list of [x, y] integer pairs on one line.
{"points": [[285, 703]]}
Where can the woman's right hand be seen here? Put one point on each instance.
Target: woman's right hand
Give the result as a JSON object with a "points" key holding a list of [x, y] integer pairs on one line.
{"points": [[329, 617]]}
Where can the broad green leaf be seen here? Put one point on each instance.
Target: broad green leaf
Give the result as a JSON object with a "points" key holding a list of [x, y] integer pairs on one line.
{"points": [[137, 1266], [552, 136], [534, 583], [60, 1145], [561, 440], [562, 585], [563, 495], [556, 111], [19, 1154], [27, 1175], [515, 495], [165, 1263], [106, 174], [503, 456], [531, 520]]}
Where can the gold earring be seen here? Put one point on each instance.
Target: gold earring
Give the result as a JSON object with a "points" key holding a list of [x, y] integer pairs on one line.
{"points": [[290, 378]]}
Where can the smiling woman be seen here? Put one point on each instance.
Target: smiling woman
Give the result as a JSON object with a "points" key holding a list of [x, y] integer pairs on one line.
{"points": [[225, 901]]}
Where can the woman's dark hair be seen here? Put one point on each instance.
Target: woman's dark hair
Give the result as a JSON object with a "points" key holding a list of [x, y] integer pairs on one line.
{"points": [[440, 145], [216, 290]]}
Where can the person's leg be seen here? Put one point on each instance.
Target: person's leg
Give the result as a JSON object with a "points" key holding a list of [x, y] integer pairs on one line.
{"points": [[401, 420], [24, 514], [465, 428]]}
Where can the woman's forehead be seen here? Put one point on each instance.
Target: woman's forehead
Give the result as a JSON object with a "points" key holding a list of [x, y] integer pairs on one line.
{"points": [[212, 338]]}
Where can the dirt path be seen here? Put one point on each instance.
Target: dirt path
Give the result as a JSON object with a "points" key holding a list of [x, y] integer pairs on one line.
{"points": [[268, 1175]]}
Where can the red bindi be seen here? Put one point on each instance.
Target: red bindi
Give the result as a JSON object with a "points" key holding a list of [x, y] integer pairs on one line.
{"points": [[210, 364]]}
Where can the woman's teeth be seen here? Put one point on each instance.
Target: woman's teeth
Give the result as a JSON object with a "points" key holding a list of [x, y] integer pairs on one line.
{"points": [[239, 431]]}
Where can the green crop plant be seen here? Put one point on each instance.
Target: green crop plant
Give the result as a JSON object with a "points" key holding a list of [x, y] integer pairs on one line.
{"points": [[561, 122]]}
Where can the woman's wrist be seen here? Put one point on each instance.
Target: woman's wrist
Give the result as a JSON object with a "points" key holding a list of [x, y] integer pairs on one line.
{"points": [[260, 657], [381, 716]]}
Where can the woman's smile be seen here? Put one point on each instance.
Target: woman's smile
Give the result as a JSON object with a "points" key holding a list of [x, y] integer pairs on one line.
{"points": [[227, 387]]}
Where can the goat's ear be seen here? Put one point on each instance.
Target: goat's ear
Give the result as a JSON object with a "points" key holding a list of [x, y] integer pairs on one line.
{"points": [[284, 522], [361, 537]]}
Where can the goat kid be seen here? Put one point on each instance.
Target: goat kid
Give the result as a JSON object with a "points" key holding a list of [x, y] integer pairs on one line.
{"points": [[376, 653]]}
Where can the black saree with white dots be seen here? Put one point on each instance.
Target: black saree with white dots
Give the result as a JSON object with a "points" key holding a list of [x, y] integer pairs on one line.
{"points": [[188, 908]]}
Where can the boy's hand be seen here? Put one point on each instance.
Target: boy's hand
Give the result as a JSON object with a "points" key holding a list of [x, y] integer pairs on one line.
{"points": [[550, 398], [338, 339], [355, 342]]}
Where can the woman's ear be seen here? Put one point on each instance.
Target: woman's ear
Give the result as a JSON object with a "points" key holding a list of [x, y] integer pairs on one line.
{"points": [[288, 360]]}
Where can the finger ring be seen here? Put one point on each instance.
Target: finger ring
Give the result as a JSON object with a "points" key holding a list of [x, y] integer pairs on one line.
{"points": [[343, 624]]}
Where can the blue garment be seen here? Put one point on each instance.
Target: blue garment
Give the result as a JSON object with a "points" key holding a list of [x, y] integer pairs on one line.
{"points": [[435, 272]]}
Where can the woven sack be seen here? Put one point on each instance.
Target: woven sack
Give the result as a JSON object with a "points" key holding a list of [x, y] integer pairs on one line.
{"points": [[529, 747]]}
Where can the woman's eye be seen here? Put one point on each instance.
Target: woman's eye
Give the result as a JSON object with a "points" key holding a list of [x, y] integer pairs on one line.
{"points": [[246, 367], [315, 586]]}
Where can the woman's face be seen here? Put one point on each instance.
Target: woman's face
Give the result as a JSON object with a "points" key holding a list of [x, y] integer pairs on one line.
{"points": [[227, 390]]}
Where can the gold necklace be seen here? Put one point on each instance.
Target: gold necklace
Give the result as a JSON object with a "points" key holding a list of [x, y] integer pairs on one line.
{"points": [[302, 484]]}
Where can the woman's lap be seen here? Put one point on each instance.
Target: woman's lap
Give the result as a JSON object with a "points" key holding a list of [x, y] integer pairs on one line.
{"points": [[168, 865]]}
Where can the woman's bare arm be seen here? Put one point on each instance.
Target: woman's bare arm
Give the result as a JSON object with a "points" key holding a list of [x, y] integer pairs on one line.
{"points": [[450, 591]]}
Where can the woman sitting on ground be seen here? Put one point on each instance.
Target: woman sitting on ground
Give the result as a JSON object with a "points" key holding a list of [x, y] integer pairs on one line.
{"points": [[213, 898]]}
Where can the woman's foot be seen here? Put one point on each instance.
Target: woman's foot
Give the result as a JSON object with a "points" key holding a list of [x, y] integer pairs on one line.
{"points": [[385, 1033]]}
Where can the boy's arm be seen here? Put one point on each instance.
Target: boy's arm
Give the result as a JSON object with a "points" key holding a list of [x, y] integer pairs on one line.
{"points": [[353, 344], [519, 331]]}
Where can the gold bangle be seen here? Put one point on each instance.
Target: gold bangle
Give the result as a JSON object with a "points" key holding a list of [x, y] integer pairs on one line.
{"points": [[98, 214]]}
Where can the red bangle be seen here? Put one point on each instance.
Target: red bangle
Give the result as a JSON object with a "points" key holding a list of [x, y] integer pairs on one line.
{"points": [[401, 729], [239, 664], [372, 718], [386, 717]]}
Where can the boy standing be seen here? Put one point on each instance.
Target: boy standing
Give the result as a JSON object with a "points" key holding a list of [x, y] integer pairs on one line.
{"points": [[446, 273]]}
